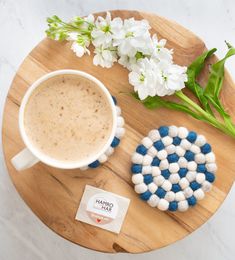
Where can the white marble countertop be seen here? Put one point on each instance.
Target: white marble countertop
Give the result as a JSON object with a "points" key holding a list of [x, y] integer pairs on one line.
{"points": [[22, 25]]}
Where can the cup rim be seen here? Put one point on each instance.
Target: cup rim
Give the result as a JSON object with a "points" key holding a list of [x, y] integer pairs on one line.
{"points": [[51, 161]]}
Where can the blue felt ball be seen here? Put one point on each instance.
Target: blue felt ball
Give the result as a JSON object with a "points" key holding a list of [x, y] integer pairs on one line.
{"points": [[173, 205], [136, 168], [195, 185], [146, 195], [114, 100], [163, 130], [148, 178], [155, 161], [176, 187], [182, 172], [115, 142], [206, 148], [172, 158], [192, 200], [159, 145], [165, 173], [95, 164], [160, 192], [176, 140], [201, 168], [192, 136], [210, 177], [189, 156], [141, 149]]}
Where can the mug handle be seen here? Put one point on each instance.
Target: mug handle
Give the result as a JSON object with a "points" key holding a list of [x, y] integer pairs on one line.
{"points": [[24, 160]]}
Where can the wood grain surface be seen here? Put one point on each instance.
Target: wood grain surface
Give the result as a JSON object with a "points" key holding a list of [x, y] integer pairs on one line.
{"points": [[54, 195]]}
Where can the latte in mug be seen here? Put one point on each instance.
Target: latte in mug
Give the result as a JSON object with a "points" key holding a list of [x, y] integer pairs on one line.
{"points": [[68, 118]]}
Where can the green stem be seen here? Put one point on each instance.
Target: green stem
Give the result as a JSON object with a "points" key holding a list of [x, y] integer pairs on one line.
{"points": [[206, 116]]}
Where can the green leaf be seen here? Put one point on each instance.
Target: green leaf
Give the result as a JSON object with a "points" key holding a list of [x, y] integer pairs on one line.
{"points": [[216, 77], [158, 102], [197, 65], [192, 72]]}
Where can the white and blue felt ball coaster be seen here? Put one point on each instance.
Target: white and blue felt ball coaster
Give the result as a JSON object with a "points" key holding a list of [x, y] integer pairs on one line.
{"points": [[120, 131], [173, 168]]}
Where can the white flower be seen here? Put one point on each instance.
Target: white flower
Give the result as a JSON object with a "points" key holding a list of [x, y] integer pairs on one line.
{"points": [[143, 78], [150, 77], [127, 62], [134, 36], [79, 49], [159, 51], [172, 79], [105, 56], [102, 34], [72, 36]]}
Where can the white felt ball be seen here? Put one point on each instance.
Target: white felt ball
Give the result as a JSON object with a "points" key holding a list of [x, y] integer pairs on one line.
{"points": [[118, 111], [184, 183], [170, 149], [141, 188], [192, 166], [152, 151], [210, 157], [173, 131], [137, 158], [103, 158], [206, 186], [146, 169], [191, 176], [163, 204], [182, 162], [156, 171], [137, 178], [170, 196], [120, 132], [183, 205], [164, 164], [200, 141], [180, 151], [153, 200], [182, 132], [199, 194], [200, 178], [174, 178], [185, 144], [147, 159], [162, 154], [120, 121], [159, 180], [211, 167], [166, 185], [84, 168], [179, 196], [152, 187], [147, 142], [188, 192], [167, 140], [200, 158], [154, 135], [195, 149], [174, 167], [109, 151]]}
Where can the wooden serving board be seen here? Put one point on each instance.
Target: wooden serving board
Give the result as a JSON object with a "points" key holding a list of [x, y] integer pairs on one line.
{"points": [[54, 195]]}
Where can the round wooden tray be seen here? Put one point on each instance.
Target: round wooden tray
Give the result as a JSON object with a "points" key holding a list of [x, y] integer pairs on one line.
{"points": [[54, 195]]}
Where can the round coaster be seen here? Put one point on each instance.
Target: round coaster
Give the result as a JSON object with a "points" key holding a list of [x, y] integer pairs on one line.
{"points": [[173, 168], [118, 135]]}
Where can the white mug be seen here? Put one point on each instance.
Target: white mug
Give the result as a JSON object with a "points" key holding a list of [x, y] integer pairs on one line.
{"points": [[31, 155]]}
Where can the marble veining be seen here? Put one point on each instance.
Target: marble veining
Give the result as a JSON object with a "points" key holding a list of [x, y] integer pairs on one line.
{"points": [[22, 234]]}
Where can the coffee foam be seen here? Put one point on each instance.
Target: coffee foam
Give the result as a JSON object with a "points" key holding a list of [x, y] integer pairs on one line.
{"points": [[68, 118]]}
